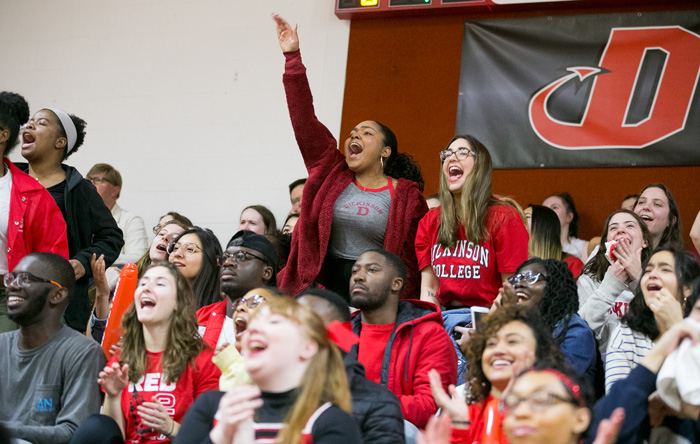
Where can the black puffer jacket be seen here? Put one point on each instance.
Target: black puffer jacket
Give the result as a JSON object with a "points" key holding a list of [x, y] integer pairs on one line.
{"points": [[376, 409]]}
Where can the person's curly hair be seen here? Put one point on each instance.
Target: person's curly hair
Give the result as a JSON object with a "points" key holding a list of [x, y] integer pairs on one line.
{"points": [[546, 350], [399, 165], [639, 316], [184, 341], [560, 299], [14, 112]]}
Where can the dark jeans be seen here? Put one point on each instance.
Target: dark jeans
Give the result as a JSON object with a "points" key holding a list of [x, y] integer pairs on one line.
{"points": [[337, 274], [98, 429]]}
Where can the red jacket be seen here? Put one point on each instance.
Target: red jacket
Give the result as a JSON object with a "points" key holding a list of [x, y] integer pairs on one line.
{"points": [[212, 317], [418, 344], [329, 175], [35, 223]]}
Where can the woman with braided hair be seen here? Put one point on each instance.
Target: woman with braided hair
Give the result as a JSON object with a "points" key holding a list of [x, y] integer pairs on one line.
{"points": [[550, 286]]}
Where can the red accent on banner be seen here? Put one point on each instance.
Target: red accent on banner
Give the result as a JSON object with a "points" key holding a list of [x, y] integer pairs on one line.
{"points": [[603, 124]]}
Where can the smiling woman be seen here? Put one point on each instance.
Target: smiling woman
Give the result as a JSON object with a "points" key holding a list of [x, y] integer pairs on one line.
{"points": [[300, 394], [547, 405], [470, 244], [658, 304], [606, 283], [195, 253], [550, 287], [659, 211], [162, 367], [368, 198], [512, 339]]}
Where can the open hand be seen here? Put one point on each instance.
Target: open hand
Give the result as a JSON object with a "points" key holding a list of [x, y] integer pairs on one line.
{"points": [[451, 404], [114, 378], [287, 36]]}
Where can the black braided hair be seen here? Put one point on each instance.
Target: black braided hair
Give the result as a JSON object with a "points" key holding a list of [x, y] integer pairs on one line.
{"points": [[560, 299]]}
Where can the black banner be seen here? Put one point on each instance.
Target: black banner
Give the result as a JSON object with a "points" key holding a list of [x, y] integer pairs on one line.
{"points": [[583, 91]]}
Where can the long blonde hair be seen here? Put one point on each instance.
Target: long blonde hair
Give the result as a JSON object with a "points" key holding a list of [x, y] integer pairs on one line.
{"points": [[184, 342], [324, 380], [475, 199]]}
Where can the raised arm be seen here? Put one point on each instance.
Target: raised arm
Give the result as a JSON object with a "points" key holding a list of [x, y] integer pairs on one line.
{"points": [[316, 143]]}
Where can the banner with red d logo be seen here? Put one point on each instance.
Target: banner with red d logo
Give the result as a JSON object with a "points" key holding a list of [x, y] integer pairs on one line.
{"points": [[583, 91]]}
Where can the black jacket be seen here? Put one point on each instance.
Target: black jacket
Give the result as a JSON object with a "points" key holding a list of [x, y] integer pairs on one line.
{"points": [[91, 229], [375, 408]]}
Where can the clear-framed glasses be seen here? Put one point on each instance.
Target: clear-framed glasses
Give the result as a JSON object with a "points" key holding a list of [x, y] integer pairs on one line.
{"points": [[238, 257], [461, 153], [187, 249], [24, 279], [530, 278], [251, 301], [538, 401]]}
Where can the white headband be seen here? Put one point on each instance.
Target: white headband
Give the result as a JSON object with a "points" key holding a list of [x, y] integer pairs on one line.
{"points": [[68, 126]]}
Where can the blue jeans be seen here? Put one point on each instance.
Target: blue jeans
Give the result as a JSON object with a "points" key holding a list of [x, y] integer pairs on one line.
{"points": [[451, 318]]}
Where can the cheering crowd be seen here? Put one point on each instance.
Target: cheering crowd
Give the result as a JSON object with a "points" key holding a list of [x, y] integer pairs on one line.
{"points": [[367, 317]]}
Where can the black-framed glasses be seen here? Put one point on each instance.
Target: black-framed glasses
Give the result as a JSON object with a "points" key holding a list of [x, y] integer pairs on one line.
{"points": [[187, 249], [239, 257], [251, 301], [98, 179], [538, 401], [530, 278], [461, 153], [24, 279]]}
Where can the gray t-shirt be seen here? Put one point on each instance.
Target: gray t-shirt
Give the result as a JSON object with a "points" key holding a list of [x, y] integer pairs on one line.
{"points": [[46, 392], [359, 222]]}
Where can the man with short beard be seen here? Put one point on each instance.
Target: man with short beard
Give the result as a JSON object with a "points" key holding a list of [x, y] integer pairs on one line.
{"points": [[248, 263], [48, 371], [400, 341]]}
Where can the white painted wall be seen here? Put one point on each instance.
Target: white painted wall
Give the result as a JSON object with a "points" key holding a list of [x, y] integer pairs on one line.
{"points": [[184, 98]]}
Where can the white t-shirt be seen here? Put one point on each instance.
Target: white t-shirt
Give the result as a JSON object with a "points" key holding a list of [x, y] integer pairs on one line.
{"points": [[577, 248], [228, 333], [5, 194]]}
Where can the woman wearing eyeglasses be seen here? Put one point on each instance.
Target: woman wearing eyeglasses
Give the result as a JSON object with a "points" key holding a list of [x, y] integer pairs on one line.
{"points": [[49, 138], [368, 198], [195, 253], [162, 367], [31, 220], [228, 357], [547, 405], [473, 242], [550, 287]]}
